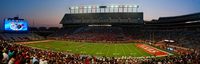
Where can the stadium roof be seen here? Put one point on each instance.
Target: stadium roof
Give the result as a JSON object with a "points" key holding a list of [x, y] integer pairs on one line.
{"points": [[180, 19]]}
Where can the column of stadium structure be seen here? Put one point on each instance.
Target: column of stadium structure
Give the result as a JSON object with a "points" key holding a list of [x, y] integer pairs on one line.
{"points": [[70, 10], [99, 10], [127, 9], [81, 9], [118, 8], [86, 9], [136, 8], [95, 9], [102, 10], [105, 10], [109, 8], [90, 9], [78, 9], [109, 12], [74, 10], [130, 7], [113, 8], [123, 8]]}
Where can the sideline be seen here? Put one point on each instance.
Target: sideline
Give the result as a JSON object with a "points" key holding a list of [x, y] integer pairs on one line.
{"points": [[31, 42]]}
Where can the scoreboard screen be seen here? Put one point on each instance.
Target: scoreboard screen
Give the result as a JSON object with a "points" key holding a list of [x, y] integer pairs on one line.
{"points": [[15, 25]]}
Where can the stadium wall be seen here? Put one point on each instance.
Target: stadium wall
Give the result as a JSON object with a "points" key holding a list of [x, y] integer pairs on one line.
{"points": [[103, 18]]}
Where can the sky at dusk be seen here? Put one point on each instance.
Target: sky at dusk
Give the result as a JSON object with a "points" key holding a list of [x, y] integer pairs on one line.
{"points": [[49, 13]]}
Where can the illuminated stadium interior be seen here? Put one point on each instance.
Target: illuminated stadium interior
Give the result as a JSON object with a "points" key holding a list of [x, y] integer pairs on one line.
{"points": [[103, 9], [113, 34]]}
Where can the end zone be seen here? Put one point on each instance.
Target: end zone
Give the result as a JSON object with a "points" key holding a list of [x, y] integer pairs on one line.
{"points": [[152, 50]]}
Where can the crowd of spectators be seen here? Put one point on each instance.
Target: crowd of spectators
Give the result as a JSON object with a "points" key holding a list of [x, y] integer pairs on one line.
{"points": [[12, 53], [182, 37], [98, 34], [188, 39], [20, 37]]}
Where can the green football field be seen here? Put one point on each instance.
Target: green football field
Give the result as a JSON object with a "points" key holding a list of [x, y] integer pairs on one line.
{"points": [[96, 49]]}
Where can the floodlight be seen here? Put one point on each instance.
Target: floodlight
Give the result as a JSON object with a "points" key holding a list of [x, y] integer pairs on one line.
{"points": [[72, 7], [116, 6], [93, 6], [89, 6], [112, 6], [130, 6], [136, 6], [85, 7], [77, 7], [97, 6], [125, 6], [120, 5]]}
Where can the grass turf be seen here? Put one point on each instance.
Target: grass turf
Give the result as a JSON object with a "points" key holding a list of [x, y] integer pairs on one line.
{"points": [[97, 49]]}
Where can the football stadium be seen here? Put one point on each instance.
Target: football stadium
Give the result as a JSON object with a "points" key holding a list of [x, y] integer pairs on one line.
{"points": [[114, 34]]}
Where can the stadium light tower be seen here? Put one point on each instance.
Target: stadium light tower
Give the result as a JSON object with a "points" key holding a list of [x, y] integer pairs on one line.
{"points": [[76, 9], [116, 6], [113, 7], [90, 8], [136, 7], [103, 9], [96, 9], [85, 7], [123, 6], [131, 7], [71, 9]]}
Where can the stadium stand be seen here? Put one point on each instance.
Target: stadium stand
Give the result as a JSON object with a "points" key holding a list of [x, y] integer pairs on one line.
{"points": [[18, 54], [182, 30], [20, 37], [183, 33], [102, 18]]}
